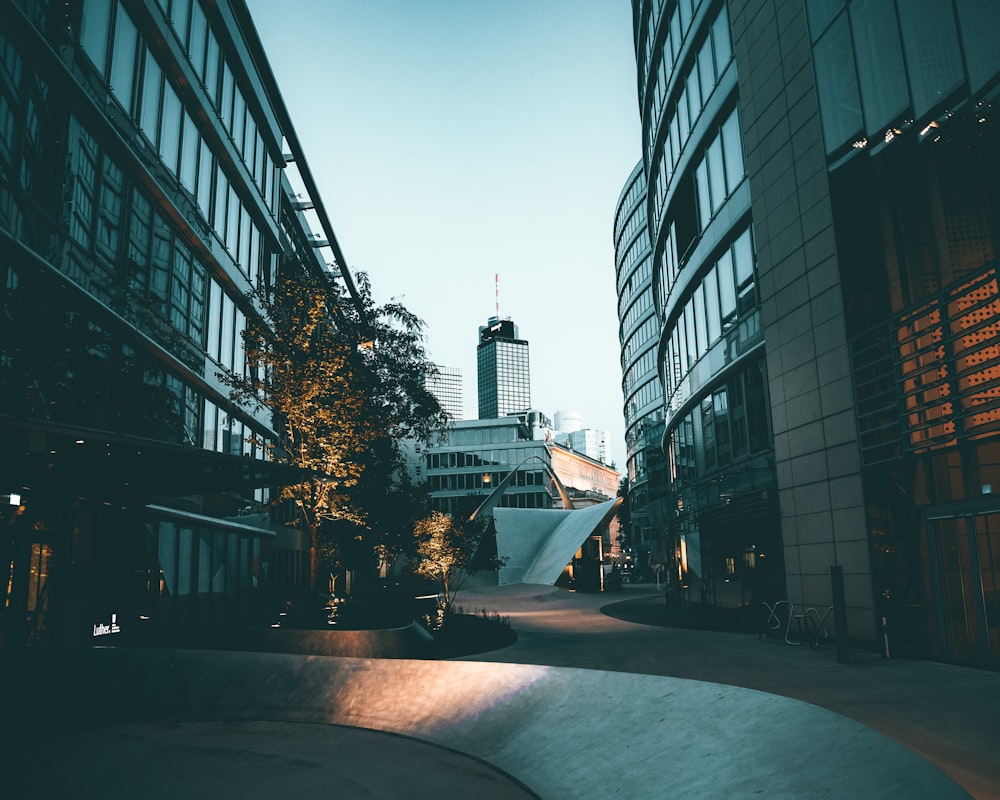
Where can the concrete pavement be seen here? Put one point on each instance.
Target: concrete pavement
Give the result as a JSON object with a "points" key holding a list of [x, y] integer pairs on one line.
{"points": [[948, 714], [186, 723]]}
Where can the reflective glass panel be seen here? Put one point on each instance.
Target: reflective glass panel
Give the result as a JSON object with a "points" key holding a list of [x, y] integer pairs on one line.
{"points": [[933, 57], [123, 60], [880, 62], [837, 85]]}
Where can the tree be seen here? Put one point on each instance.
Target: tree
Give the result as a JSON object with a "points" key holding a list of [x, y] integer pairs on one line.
{"points": [[301, 365], [624, 513], [399, 406], [343, 379], [446, 549]]}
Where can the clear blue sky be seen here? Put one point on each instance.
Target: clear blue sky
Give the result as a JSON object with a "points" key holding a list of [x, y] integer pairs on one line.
{"points": [[452, 140]]}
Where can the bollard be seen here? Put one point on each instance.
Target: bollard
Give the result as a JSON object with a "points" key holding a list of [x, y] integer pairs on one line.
{"points": [[840, 615]]}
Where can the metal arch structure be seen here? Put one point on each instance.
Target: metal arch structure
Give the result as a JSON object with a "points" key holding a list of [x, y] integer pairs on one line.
{"points": [[494, 497]]}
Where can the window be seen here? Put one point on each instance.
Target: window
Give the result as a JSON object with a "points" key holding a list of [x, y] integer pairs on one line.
{"points": [[239, 119], [96, 19], [692, 341], [123, 64], [179, 15], [743, 258], [694, 94], [701, 329], [837, 85], [723, 442], [159, 262], [716, 174], [704, 192], [190, 145], [84, 184], [221, 197], [212, 67], [205, 168], [180, 286], [732, 149], [880, 62], [214, 319], [232, 223], [714, 324], [140, 231], [228, 85], [197, 39], [706, 70], [109, 216], [708, 432], [149, 103], [720, 40], [727, 289], [170, 127], [227, 336]]}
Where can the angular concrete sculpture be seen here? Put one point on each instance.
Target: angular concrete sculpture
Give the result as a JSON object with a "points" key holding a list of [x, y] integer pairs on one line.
{"points": [[538, 543]]}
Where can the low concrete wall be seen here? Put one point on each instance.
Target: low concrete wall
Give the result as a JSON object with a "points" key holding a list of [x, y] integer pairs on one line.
{"points": [[410, 641], [561, 732]]}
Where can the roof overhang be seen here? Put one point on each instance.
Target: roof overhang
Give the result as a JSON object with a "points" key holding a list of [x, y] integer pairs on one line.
{"points": [[95, 464]]}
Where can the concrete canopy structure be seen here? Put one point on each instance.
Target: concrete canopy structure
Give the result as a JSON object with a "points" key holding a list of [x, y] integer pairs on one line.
{"points": [[538, 544]]}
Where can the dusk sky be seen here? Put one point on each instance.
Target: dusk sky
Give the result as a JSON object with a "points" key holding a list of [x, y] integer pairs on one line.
{"points": [[454, 140]]}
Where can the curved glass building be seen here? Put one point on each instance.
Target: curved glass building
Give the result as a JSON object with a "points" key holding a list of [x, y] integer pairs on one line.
{"points": [[824, 217], [638, 333], [722, 527]]}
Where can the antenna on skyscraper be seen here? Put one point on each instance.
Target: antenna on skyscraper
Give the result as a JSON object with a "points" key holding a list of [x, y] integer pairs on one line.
{"points": [[496, 280]]}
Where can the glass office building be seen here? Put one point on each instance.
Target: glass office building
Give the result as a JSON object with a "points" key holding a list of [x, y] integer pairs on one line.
{"points": [[823, 219], [146, 187], [649, 508], [445, 383], [504, 378], [720, 527]]}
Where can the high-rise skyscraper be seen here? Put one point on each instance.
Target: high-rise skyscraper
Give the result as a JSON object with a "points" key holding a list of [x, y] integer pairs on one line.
{"points": [[446, 385], [502, 365]]}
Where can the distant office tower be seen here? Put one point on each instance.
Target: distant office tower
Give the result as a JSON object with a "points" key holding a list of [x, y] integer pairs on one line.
{"points": [[446, 385], [570, 432], [502, 363]]}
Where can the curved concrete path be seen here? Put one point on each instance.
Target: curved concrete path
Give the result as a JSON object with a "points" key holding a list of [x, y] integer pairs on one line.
{"points": [[948, 714], [562, 732]]}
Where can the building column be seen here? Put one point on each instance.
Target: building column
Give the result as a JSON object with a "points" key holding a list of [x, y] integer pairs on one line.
{"points": [[811, 392]]}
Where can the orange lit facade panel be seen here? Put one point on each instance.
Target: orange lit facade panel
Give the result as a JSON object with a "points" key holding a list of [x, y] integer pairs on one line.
{"points": [[948, 358]]}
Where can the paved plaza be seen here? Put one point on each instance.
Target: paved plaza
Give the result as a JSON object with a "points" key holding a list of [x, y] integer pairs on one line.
{"points": [[584, 704]]}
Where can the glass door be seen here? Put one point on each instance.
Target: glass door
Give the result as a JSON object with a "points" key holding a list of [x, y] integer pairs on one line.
{"points": [[988, 547], [965, 578]]}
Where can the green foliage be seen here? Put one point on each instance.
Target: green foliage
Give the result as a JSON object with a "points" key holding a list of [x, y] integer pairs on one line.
{"points": [[344, 381], [624, 513], [446, 549]]}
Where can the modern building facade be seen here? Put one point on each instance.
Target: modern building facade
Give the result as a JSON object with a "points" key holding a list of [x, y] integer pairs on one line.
{"points": [[503, 369], [569, 431], [649, 509], [150, 178], [477, 458], [719, 527], [474, 456], [445, 383], [823, 218]]}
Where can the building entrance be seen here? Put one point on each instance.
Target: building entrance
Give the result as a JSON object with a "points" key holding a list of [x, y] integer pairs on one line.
{"points": [[965, 576], [26, 590]]}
